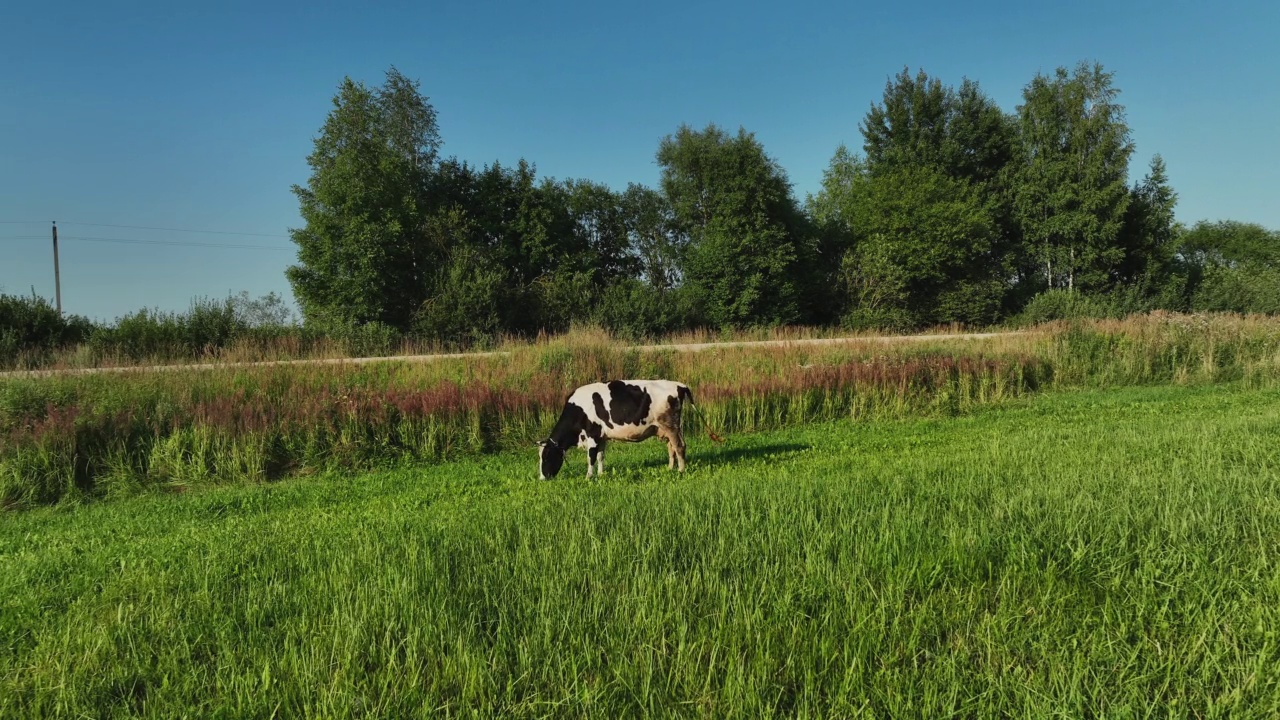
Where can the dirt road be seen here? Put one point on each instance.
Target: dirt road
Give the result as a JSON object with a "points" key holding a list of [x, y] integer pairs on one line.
{"points": [[686, 347]]}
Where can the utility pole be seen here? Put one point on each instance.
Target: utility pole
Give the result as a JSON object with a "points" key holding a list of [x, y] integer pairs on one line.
{"points": [[57, 278]]}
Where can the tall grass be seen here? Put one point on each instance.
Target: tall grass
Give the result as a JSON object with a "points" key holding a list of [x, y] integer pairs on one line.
{"points": [[105, 435]]}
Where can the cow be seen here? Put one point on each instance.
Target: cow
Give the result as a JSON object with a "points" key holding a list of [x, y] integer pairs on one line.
{"points": [[622, 410]]}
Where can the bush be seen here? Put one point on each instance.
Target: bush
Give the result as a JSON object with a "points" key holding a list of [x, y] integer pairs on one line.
{"points": [[1061, 304], [886, 318], [371, 339], [206, 328], [474, 301], [635, 310], [31, 329], [563, 297], [1245, 288]]}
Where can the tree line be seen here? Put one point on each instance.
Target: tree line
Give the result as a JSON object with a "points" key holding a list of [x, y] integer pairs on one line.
{"points": [[954, 211]]}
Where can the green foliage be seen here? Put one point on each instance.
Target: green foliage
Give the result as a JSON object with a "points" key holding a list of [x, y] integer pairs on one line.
{"points": [[734, 205], [527, 224], [959, 213], [207, 328], [472, 295], [565, 296], [920, 228], [525, 256], [1101, 554], [1063, 304], [1070, 192], [1248, 287], [267, 311], [922, 123], [877, 289], [961, 134], [654, 241], [361, 254], [1228, 242], [918, 245], [601, 224], [370, 339], [1150, 231], [1121, 302], [31, 330], [636, 310], [1230, 266]]}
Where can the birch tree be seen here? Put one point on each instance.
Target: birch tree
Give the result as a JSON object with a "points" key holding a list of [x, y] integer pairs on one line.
{"points": [[1070, 194]]}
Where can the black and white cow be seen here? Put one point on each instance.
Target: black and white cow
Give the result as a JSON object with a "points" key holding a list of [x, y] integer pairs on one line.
{"points": [[622, 410]]}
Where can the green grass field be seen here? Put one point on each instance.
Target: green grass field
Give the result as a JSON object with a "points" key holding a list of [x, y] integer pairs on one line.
{"points": [[1092, 554]]}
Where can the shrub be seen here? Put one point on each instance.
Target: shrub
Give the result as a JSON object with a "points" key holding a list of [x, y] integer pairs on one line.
{"points": [[635, 310], [370, 339], [31, 329], [1060, 304], [1245, 288], [154, 335], [474, 301]]}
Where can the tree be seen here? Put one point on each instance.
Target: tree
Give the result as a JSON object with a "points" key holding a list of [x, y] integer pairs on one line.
{"points": [[876, 285], [1071, 192], [921, 124], [1230, 243], [910, 126], [266, 311], [472, 297], [1149, 233], [917, 245], [361, 254], [31, 326], [651, 236], [734, 204], [1229, 266], [983, 139], [599, 219]]}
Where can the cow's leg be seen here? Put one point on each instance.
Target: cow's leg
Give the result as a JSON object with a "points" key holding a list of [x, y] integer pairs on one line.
{"points": [[673, 447], [678, 442], [600, 458], [673, 430], [592, 452]]}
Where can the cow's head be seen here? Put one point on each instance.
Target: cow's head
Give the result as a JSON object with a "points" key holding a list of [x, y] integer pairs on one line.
{"points": [[550, 458]]}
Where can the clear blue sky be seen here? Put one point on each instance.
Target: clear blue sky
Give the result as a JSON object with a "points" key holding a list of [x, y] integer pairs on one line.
{"points": [[174, 116]]}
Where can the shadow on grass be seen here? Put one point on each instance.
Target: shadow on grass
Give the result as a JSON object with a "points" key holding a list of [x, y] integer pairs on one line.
{"points": [[630, 469], [718, 456]]}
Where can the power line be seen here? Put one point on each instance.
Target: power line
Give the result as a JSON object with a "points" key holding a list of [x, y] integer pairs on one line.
{"points": [[144, 227], [131, 241], [135, 241], [205, 232]]}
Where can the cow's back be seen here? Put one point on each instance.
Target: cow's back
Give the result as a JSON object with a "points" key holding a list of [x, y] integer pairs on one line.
{"points": [[623, 407]]}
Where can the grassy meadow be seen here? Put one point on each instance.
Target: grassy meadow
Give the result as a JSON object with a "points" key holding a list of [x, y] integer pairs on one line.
{"points": [[1096, 553], [77, 437]]}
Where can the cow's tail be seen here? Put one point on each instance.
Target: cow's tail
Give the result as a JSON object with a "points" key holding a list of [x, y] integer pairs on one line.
{"points": [[686, 396]]}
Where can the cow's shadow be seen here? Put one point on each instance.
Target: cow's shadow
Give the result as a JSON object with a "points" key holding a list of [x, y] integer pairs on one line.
{"points": [[717, 456]]}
